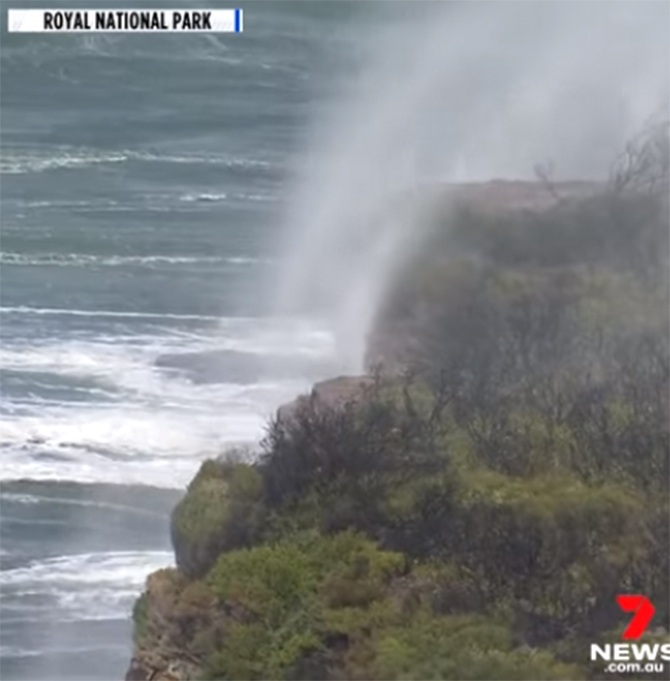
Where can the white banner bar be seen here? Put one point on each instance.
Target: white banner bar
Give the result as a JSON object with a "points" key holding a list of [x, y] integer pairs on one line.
{"points": [[125, 21]]}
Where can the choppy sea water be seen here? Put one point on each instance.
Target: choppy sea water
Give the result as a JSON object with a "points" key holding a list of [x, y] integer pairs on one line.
{"points": [[141, 182]]}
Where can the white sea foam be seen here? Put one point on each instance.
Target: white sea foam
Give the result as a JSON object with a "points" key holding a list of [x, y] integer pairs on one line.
{"points": [[86, 260], [116, 354], [127, 568], [33, 499], [26, 309], [130, 443], [20, 162], [147, 425], [203, 196], [213, 197], [14, 651], [69, 203], [88, 586]]}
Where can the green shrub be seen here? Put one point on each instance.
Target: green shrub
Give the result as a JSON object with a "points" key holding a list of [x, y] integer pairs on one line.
{"points": [[457, 647], [221, 510], [140, 619], [279, 596]]}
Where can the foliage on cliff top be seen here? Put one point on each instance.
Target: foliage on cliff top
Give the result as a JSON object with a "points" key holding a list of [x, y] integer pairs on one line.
{"points": [[321, 607], [220, 511]]}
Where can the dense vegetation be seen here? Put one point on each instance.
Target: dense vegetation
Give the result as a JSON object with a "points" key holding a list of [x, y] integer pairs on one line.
{"points": [[475, 517]]}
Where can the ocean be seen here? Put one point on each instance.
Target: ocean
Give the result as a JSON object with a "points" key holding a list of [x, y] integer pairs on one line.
{"points": [[143, 180]]}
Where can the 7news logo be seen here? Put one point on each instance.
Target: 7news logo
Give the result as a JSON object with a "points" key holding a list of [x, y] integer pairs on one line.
{"points": [[642, 610], [633, 657]]}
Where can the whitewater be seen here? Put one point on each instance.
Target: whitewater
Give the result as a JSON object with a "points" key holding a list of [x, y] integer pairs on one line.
{"points": [[140, 196]]}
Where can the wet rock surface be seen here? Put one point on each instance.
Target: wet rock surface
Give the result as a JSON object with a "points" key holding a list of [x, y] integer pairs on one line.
{"points": [[244, 368]]}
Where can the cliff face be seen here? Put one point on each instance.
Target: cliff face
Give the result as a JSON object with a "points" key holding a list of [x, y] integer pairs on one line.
{"points": [[163, 616], [221, 511], [334, 393]]}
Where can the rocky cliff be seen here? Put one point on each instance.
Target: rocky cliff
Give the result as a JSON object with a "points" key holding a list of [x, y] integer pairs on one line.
{"points": [[220, 511], [474, 521]]}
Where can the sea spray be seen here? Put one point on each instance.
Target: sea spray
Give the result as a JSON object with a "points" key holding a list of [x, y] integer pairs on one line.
{"points": [[457, 92]]}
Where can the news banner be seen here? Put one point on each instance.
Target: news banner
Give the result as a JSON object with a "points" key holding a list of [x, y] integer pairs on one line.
{"points": [[125, 21]]}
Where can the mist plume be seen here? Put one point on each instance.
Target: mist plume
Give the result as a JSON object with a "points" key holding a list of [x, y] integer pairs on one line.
{"points": [[456, 92]]}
